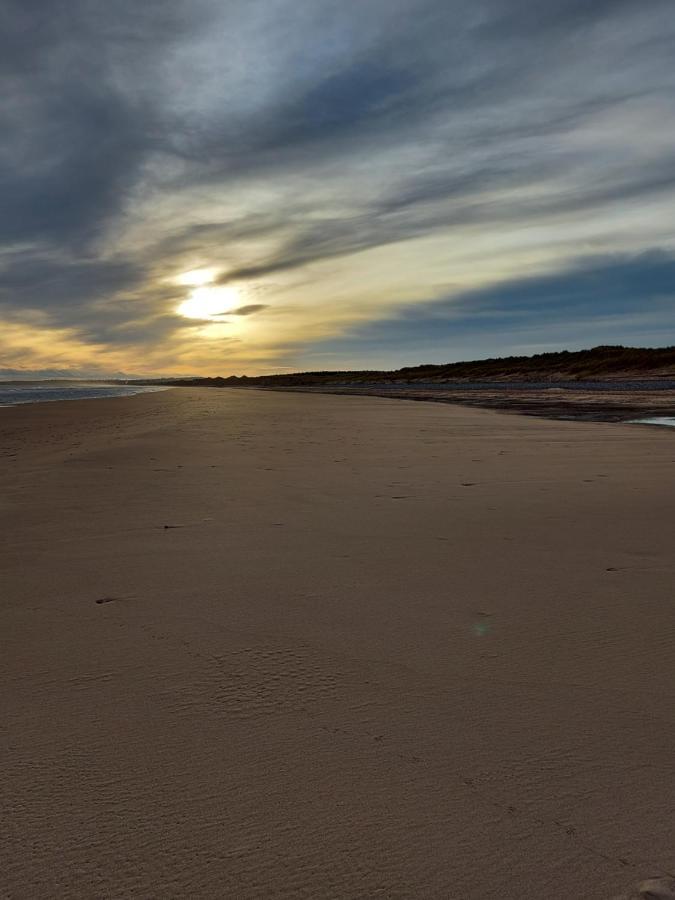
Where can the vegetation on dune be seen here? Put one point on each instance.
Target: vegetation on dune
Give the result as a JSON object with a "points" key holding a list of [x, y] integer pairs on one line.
{"points": [[598, 364]]}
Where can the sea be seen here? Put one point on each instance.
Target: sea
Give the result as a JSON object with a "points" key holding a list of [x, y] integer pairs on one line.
{"points": [[13, 393], [668, 421]]}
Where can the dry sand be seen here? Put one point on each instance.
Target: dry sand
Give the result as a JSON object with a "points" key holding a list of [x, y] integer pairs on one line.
{"points": [[390, 649]]}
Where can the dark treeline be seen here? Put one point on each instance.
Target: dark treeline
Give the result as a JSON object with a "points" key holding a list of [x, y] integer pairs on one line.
{"points": [[599, 363]]}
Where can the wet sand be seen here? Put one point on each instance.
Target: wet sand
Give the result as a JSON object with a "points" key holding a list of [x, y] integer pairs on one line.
{"points": [[259, 644], [609, 404]]}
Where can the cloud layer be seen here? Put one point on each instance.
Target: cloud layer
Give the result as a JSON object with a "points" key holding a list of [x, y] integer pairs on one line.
{"points": [[355, 172]]}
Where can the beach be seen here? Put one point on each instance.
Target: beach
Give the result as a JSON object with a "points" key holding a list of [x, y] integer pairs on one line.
{"points": [[627, 402], [264, 644]]}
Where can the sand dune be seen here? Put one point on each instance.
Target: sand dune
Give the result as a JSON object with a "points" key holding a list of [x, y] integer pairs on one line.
{"points": [[279, 645]]}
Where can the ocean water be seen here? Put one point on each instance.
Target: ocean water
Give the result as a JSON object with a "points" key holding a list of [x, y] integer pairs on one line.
{"points": [[16, 392], [668, 421]]}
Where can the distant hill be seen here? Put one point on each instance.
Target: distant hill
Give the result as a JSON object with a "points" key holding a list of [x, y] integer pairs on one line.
{"points": [[604, 363]]}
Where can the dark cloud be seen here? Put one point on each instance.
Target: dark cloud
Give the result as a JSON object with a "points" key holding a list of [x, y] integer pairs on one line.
{"points": [[353, 100], [74, 138], [520, 18], [249, 309], [31, 278], [592, 288]]}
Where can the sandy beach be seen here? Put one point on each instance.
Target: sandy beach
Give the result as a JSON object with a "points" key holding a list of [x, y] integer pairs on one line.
{"points": [[280, 645]]}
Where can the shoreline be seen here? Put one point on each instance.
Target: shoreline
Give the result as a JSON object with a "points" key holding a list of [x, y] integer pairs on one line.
{"points": [[509, 405], [262, 643], [48, 392], [627, 402]]}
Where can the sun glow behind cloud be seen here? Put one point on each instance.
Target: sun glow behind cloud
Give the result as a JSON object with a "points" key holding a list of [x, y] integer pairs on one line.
{"points": [[196, 277], [209, 302]]}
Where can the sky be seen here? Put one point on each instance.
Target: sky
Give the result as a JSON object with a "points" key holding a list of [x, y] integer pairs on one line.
{"points": [[227, 187]]}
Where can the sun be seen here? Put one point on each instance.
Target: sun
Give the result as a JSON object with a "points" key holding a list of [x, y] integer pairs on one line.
{"points": [[209, 302], [196, 277]]}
